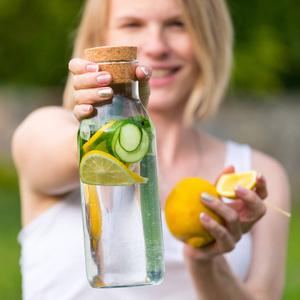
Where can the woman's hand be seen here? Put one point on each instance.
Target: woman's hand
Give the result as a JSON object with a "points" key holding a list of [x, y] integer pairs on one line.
{"points": [[239, 217], [91, 85]]}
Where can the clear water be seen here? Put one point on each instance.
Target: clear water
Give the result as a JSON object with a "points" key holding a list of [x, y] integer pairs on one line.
{"points": [[129, 249]]}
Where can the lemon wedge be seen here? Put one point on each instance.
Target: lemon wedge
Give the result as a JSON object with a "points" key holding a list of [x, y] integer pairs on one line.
{"points": [[101, 168], [227, 183], [96, 138], [94, 220]]}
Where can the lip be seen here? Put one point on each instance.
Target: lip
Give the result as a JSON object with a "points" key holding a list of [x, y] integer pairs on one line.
{"points": [[163, 76]]}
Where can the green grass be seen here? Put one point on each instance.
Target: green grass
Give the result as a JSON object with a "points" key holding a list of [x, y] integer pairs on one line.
{"points": [[292, 287], [10, 278]]}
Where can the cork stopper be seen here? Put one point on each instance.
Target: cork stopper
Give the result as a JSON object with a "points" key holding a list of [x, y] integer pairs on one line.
{"points": [[119, 61], [102, 54]]}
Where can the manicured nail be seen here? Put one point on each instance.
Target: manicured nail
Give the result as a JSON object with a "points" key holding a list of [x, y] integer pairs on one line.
{"points": [[239, 190], [104, 93], [260, 177], [205, 217], [145, 71], [92, 68], [86, 108], [207, 197], [104, 79]]}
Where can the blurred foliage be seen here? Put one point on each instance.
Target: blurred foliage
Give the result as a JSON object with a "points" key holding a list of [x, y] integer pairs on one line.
{"points": [[35, 40], [10, 224], [267, 45], [36, 43]]}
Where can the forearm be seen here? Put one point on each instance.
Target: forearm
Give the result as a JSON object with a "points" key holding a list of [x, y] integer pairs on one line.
{"points": [[213, 279]]}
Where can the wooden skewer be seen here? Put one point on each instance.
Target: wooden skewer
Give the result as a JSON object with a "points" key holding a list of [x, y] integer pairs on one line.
{"points": [[278, 209]]}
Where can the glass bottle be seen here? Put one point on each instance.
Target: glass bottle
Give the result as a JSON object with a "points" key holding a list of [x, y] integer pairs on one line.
{"points": [[118, 177]]}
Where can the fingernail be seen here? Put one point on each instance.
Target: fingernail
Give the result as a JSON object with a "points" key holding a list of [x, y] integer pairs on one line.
{"points": [[104, 79], [207, 197], [239, 190], [260, 177], [92, 68], [104, 93], [145, 71], [205, 217], [86, 108]]}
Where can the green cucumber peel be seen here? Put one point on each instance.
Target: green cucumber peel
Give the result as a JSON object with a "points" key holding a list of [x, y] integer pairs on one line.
{"points": [[137, 154], [111, 145]]}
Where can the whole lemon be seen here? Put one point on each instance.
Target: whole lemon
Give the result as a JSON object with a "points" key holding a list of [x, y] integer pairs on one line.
{"points": [[183, 208]]}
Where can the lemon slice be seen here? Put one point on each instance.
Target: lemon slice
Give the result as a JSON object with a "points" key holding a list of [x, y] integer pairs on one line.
{"points": [[95, 139], [137, 178], [101, 168], [94, 219], [227, 183]]}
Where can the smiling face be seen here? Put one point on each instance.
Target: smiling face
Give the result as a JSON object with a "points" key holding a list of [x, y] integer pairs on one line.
{"points": [[156, 27]]}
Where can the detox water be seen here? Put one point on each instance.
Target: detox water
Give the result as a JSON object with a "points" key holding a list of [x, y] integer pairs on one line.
{"points": [[119, 188], [122, 224]]}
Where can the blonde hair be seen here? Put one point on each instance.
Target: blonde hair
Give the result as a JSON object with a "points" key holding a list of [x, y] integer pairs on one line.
{"points": [[209, 25], [89, 34]]}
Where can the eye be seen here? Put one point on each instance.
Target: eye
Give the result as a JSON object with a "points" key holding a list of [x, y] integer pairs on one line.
{"points": [[132, 25], [179, 24], [176, 23]]}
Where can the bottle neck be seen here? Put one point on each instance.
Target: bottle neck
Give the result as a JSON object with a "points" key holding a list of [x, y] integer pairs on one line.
{"points": [[126, 89]]}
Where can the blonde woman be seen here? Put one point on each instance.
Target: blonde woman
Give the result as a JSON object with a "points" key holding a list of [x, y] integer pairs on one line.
{"points": [[186, 46]]}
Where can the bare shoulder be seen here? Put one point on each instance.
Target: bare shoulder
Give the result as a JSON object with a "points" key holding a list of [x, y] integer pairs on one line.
{"points": [[268, 165], [276, 177]]}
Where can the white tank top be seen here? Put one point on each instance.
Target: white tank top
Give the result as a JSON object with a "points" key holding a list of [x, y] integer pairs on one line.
{"points": [[52, 255]]}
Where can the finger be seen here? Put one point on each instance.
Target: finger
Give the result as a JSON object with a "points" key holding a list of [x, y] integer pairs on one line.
{"points": [[82, 111], [88, 80], [224, 241], [229, 215], [253, 201], [261, 186], [81, 66], [144, 92], [143, 72], [92, 96], [227, 170]]}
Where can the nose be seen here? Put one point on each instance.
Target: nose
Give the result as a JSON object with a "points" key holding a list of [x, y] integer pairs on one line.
{"points": [[156, 45]]}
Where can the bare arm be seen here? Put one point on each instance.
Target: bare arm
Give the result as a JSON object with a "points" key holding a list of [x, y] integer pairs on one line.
{"points": [[212, 276], [45, 154], [45, 151], [266, 275]]}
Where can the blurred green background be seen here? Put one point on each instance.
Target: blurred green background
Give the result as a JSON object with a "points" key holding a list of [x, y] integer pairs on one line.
{"points": [[36, 40]]}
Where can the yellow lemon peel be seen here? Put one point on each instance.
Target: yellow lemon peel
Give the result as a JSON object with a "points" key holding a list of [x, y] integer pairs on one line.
{"points": [[183, 208]]}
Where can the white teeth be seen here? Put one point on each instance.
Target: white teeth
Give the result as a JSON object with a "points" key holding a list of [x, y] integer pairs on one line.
{"points": [[161, 73]]}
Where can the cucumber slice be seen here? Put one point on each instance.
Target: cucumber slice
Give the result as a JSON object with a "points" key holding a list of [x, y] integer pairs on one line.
{"points": [[137, 154], [113, 141], [130, 137]]}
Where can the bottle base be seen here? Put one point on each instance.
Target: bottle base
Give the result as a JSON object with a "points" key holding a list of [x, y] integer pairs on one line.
{"points": [[153, 278]]}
